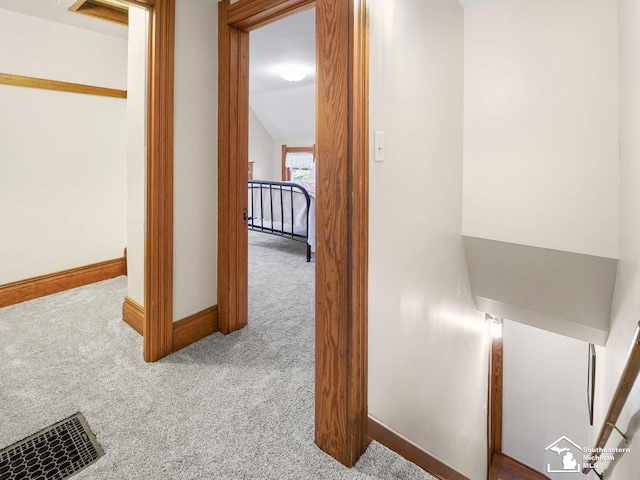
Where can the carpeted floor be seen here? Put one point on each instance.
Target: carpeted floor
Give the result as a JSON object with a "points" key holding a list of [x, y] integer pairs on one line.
{"points": [[228, 407]]}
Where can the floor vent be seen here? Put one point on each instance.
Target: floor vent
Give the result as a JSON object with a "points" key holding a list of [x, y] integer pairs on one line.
{"points": [[55, 453]]}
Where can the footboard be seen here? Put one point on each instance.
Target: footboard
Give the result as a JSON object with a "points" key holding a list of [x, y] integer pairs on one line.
{"points": [[280, 208]]}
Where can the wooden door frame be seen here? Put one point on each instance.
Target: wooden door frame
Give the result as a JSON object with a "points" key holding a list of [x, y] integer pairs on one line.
{"points": [[158, 249], [342, 149], [494, 417]]}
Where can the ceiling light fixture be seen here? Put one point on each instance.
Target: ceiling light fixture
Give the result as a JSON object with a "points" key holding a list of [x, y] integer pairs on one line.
{"points": [[293, 73]]}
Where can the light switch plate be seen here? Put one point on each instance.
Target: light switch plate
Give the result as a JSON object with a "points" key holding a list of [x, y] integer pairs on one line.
{"points": [[378, 145]]}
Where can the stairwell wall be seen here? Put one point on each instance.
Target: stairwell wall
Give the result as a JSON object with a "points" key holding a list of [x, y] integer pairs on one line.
{"points": [[428, 347], [626, 303], [541, 124]]}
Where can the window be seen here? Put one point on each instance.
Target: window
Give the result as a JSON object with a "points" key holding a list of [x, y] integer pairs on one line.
{"points": [[298, 164]]}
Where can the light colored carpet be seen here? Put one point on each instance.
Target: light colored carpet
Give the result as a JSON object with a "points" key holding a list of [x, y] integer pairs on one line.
{"points": [[228, 407]]}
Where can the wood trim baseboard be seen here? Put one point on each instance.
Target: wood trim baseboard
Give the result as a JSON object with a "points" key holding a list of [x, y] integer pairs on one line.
{"points": [[195, 327], [403, 447], [133, 314], [504, 467], [31, 288], [184, 332], [44, 84]]}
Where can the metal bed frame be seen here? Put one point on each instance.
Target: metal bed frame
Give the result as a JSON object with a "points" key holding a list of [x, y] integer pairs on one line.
{"points": [[279, 191]]}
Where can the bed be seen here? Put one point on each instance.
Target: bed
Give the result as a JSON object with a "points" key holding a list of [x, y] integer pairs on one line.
{"points": [[285, 209]]}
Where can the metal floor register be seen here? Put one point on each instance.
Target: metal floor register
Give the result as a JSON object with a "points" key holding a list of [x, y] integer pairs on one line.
{"points": [[54, 453]]}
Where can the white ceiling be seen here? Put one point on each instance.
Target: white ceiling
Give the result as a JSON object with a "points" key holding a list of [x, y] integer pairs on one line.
{"points": [[57, 11], [286, 109], [287, 41]]}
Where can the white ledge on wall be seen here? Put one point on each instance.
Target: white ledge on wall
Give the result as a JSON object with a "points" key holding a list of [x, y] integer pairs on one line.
{"points": [[561, 292]]}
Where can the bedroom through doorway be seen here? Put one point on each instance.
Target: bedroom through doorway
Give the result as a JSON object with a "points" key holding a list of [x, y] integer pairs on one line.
{"points": [[342, 152], [281, 190]]}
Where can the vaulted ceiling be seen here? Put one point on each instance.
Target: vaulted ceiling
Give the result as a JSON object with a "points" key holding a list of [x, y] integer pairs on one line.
{"points": [[286, 109]]}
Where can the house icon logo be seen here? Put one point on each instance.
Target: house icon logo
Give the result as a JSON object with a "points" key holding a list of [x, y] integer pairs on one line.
{"points": [[566, 456]]}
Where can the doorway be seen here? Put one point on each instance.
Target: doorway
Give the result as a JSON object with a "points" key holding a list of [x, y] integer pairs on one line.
{"points": [[157, 317], [281, 200], [342, 202]]}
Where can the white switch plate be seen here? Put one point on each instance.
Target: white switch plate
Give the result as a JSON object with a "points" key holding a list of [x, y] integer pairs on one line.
{"points": [[378, 145]]}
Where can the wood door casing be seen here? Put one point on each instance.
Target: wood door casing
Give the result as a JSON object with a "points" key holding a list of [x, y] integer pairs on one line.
{"points": [[233, 158], [342, 228], [157, 326], [494, 418], [158, 261], [341, 199]]}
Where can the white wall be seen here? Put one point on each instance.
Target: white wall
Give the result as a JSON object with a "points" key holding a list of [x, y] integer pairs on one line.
{"points": [[428, 347], [196, 168], [62, 155], [548, 371], [277, 153], [136, 150], [59, 52], [541, 124], [626, 304], [260, 149]]}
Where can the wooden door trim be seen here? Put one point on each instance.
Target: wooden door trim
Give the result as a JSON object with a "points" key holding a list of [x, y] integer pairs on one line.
{"points": [[233, 154], [142, 3], [494, 419], [342, 228], [342, 199], [158, 249], [251, 14]]}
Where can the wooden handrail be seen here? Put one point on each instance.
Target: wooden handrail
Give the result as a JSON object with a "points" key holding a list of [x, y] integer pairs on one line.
{"points": [[627, 380]]}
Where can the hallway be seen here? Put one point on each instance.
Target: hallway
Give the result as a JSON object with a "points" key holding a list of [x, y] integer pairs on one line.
{"points": [[234, 407]]}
